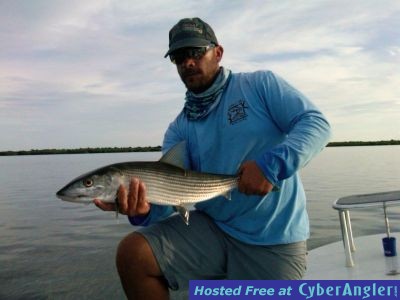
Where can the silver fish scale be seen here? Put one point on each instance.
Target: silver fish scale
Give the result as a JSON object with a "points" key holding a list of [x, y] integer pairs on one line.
{"points": [[170, 185]]}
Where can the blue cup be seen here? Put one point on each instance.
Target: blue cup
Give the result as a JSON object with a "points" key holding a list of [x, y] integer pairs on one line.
{"points": [[389, 246]]}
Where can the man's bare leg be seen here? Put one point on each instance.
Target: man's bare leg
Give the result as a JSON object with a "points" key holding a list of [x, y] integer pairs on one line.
{"points": [[138, 269]]}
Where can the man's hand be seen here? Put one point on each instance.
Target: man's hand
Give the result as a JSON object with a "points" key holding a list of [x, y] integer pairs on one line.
{"points": [[252, 180], [131, 203]]}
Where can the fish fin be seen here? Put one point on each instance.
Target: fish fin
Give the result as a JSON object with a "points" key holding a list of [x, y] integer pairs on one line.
{"points": [[116, 208], [176, 155], [228, 195], [183, 212]]}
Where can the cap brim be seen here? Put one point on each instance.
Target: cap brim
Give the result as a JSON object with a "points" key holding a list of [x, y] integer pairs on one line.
{"points": [[193, 42]]}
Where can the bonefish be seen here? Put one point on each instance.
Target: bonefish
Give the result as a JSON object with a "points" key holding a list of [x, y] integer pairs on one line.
{"points": [[167, 182]]}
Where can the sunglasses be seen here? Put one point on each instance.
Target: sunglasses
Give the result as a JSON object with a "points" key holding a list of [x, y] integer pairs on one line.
{"points": [[179, 56]]}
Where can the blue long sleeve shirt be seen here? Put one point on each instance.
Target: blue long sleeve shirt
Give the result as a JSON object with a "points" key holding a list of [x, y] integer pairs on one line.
{"points": [[260, 117]]}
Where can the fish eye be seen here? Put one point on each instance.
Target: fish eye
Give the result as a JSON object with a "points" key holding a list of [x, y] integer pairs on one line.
{"points": [[88, 182]]}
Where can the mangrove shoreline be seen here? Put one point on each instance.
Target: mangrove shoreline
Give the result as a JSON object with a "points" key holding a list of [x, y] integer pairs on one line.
{"points": [[158, 148]]}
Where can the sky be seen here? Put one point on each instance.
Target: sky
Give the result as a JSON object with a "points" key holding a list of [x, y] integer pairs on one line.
{"points": [[93, 74]]}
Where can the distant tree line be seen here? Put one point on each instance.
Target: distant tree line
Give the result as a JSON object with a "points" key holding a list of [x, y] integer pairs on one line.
{"points": [[82, 150], [359, 143], [158, 148]]}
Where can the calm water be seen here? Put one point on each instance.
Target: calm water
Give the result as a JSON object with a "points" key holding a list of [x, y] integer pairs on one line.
{"points": [[51, 249]]}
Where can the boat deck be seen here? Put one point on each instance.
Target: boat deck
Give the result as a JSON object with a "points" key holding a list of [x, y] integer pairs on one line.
{"points": [[345, 204], [340, 260], [327, 262]]}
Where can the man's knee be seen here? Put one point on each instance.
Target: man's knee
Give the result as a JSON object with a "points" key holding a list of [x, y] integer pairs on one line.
{"points": [[134, 254]]}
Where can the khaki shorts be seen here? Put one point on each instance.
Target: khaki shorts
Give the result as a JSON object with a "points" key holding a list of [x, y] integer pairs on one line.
{"points": [[203, 251]]}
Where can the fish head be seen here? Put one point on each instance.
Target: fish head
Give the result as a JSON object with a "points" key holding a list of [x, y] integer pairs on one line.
{"points": [[90, 186]]}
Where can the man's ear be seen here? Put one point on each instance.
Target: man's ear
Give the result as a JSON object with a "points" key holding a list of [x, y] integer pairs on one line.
{"points": [[219, 51]]}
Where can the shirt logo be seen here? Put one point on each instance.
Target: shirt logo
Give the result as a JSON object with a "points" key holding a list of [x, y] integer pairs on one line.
{"points": [[237, 112]]}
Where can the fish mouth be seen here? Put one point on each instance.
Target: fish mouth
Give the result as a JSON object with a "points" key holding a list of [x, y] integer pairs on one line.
{"points": [[77, 199], [60, 194]]}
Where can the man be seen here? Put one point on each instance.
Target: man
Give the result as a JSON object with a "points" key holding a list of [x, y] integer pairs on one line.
{"points": [[253, 124]]}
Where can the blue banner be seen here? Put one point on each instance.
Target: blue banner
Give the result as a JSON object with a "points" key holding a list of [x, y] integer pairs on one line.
{"points": [[296, 289]]}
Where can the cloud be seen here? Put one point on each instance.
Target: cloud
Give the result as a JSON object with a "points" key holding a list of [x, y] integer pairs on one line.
{"points": [[92, 73]]}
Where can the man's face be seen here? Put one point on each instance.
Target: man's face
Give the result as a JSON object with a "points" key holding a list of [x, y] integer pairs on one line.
{"points": [[198, 73]]}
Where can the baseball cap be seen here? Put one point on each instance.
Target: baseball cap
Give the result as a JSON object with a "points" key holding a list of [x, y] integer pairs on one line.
{"points": [[191, 32]]}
